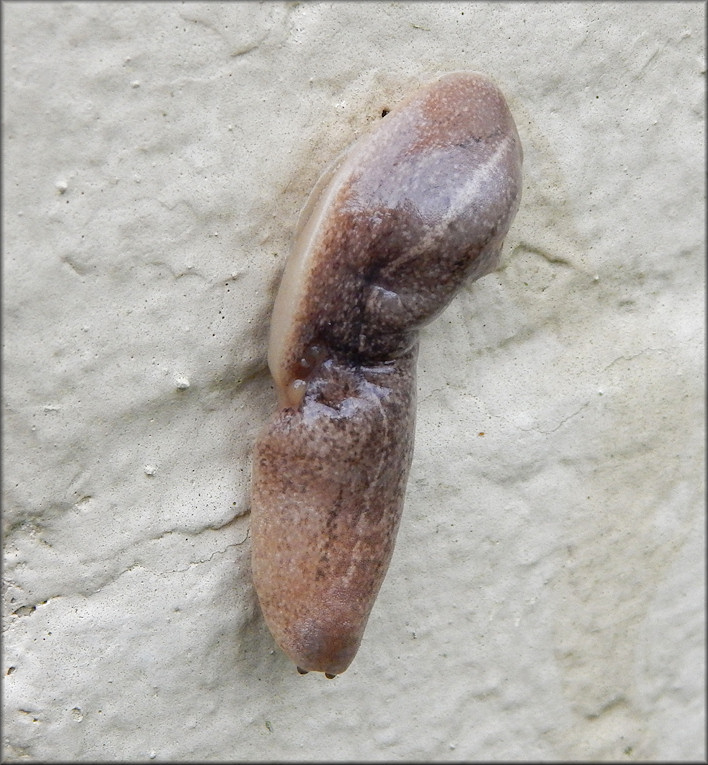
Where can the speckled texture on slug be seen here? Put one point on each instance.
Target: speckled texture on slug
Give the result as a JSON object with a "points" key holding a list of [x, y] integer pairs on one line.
{"points": [[328, 486]]}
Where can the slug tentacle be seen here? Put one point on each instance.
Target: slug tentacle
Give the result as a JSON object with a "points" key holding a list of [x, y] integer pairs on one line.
{"points": [[392, 229]]}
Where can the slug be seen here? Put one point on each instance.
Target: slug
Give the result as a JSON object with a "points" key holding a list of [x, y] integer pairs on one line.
{"points": [[390, 232]]}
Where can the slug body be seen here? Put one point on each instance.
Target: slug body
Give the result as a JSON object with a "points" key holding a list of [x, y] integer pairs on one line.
{"points": [[395, 226]]}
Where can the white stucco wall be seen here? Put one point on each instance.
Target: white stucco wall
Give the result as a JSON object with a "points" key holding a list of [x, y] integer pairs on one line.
{"points": [[545, 600]]}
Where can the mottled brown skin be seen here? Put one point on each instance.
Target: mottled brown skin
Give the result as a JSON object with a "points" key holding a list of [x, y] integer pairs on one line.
{"points": [[418, 206], [329, 480]]}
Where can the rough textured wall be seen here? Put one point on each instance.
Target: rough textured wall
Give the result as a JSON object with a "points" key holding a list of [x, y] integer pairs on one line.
{"points": [[546, 595]]}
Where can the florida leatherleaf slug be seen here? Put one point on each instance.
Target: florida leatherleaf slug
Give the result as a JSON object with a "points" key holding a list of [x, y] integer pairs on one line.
{"points": [[390, 232]]}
